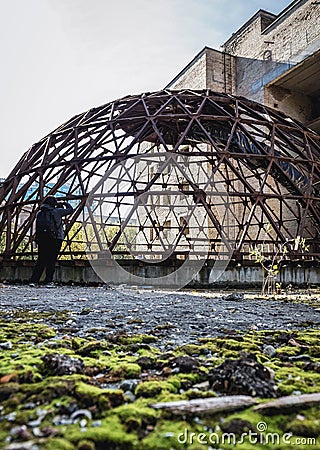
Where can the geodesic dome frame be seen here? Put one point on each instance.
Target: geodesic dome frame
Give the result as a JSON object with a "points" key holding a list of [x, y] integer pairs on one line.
{"points": [[192, 156]]}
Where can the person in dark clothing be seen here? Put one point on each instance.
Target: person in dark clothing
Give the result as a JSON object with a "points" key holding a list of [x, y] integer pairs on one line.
{"points": [[49, 241]]}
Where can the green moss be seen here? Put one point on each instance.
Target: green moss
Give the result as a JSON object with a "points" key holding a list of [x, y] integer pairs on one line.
{"points": [[126, 370], [89, 395], [111, 435], [150, 389], [306, 427], [165, 436], [189, 349], [292, 378], [314, 351], [94, 348], [84, 444], [287, 350], [136, 339], [57, 444], [138, 410], [193, 393]]}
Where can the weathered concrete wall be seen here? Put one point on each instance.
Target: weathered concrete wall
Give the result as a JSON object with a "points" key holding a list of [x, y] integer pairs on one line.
{"points": [[263, 49], [290, 37], [233, 276], [266, 48], [210, 69], [252, 75], [194, 76]]}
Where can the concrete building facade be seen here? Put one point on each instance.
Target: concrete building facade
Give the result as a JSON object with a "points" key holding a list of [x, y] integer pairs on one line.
{"points": [[271, 59]]}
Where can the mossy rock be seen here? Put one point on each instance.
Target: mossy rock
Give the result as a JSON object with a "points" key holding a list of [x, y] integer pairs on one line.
{"points": [[314, 351], [288, 350], [196, 393], [137, 410], [85, 444], [7, 390], [145, 362], [189, 349], [150, 389], [50, 389], [126, 370], [88, 395], [93, 348]]}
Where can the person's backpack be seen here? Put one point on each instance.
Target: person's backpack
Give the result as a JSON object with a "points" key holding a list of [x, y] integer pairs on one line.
{"points": [[46, 225]]}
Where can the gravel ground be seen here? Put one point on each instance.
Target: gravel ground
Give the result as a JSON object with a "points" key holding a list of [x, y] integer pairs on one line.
{"points": [[177, 317]]}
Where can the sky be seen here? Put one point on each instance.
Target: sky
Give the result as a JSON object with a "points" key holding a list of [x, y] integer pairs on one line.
{"points": [[62, 57]]}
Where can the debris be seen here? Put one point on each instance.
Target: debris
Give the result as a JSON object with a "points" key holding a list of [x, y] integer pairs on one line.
{"points": [[288, 404], [243, 376], [81, 412], [211, 405]]}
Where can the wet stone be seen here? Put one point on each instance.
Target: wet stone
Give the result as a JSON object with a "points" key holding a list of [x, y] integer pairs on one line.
{"points": [[129, 385]]}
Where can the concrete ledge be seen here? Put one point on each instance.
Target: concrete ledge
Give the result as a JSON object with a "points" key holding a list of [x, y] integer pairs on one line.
{"points": [[80, 272]]}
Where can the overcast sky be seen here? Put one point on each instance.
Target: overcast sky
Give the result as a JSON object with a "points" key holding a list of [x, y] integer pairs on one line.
{"points": [[62, 57]]}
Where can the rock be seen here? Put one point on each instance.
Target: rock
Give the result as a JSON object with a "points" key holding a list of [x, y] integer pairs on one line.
{"points": [[7, 390], [30, 405], [62, 420], [312, 366], [234, 297], [145, 362], [294, 343], [96, 424], [83, 423], [28, 445], [129, 396], [6, 345], [129, 385], [45, 432], [57, 364], [202, 386], [269, 350], [85, 311], [185, 364], [305, 358], [21, 433], [243, 376]]}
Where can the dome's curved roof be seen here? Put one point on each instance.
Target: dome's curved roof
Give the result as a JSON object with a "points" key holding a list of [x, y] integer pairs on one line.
{"points": [[266, 163]]}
